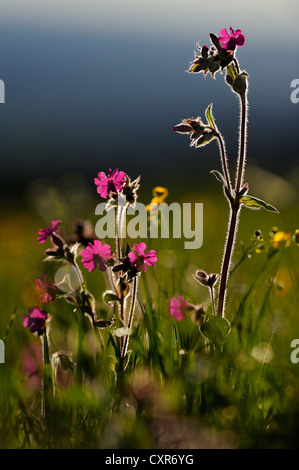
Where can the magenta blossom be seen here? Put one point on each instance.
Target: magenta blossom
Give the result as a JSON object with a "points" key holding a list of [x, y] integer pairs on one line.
{"points": [[229, 42], [47, 289], [112, 183], [96, 255], [179, 307], [44, 233], [35, 320], [140, 259]]}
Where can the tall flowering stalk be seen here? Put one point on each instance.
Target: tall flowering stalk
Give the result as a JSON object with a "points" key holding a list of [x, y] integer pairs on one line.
{"points": [[221, 56], [36, 320], [122, 192]]}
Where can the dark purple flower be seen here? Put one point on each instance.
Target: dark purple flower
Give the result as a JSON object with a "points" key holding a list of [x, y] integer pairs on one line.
{"points": [[35, 320], [179, 307], [47, 289], [140, 259], [44, 233], [96, 255], [229, 42], [110, 184]]}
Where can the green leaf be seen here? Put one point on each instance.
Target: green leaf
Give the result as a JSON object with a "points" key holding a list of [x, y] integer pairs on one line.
{"points": [[255, 203], [240, 83], [204, 140], [209, 116], [109, 297], [10, 324], [219, 176], [215, 329], [231, 71]]}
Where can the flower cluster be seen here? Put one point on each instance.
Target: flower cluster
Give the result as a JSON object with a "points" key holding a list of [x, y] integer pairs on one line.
{"points": [[220, 54], [95, 255]]}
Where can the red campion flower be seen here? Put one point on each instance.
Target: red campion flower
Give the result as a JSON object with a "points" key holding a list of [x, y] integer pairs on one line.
{"points": [[47, 289], [35, 320], [140, 259], [112, 183], [44, 233], [96, 255], [179, 307], [229, 42]]}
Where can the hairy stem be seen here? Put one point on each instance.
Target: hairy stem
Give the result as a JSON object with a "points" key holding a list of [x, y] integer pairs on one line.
{"points": [[242, 149], [131, 316], [234, 216], [212, 300], [119, 228], [224, 160], [79, 275], [235, 208]]}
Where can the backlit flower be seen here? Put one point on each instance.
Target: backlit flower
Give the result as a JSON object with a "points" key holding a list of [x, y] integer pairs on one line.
{"points": [[47, 289], [44, 233], [229, 42], [280, 238], [179, 307], [200, 134], [159, 195], [110, 184], [96, 255], [140, 259], [35, 320]]}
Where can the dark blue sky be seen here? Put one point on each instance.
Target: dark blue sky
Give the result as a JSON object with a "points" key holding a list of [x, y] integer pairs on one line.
{"points": [[81, 101]]}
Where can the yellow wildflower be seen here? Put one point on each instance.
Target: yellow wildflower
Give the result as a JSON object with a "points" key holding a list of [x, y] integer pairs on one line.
{"points": [[280, 238], [159, 194]]}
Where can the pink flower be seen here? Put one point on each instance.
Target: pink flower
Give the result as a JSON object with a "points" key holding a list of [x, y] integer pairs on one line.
{"points": [[112, 183], [229, 42], [32, 366], [44, 233], [47, 289], [35, 320], [96, 255], [179, 307], [141, 259]]}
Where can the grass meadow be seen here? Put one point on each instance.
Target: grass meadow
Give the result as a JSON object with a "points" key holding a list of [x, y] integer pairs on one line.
{"points": [[188, 384]]}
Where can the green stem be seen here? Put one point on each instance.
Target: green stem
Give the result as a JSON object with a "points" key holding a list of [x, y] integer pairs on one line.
{"points": [[131, 316], [79, 275], [212, 300], [80, 350], [47, 386]]}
